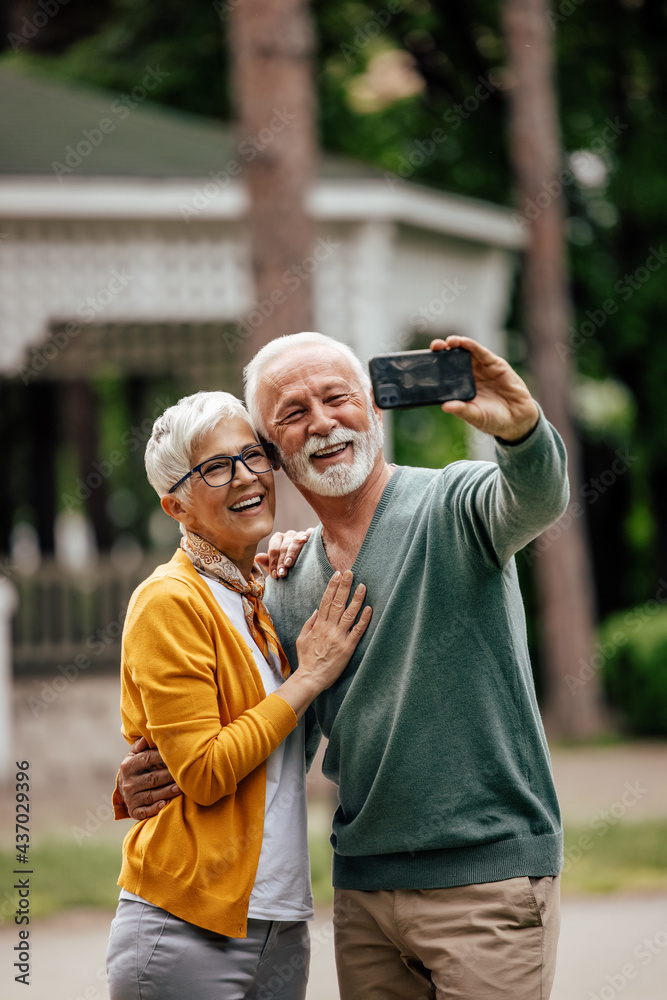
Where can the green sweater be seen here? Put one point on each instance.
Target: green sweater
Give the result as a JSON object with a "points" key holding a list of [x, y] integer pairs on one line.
{"points": [[435, 738]]}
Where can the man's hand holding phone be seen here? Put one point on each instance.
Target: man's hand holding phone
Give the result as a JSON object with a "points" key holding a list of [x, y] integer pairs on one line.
{"points": [[502, 406]]}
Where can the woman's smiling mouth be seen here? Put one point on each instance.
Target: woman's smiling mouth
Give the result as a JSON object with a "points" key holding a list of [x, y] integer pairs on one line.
{"points": [[249, 503]]}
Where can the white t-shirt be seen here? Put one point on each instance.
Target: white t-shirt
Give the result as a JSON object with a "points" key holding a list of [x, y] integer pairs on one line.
{"points": [[282, 887]]}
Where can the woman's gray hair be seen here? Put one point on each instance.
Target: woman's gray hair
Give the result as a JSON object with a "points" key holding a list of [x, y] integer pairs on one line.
{"points": [[280, 345], [176, 435]]}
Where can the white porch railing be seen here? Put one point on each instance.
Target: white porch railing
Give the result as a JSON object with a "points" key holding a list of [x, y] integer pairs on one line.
{"points": [[63, 615]]}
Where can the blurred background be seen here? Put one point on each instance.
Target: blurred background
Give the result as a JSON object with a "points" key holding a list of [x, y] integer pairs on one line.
{"points": [[182, 182]]}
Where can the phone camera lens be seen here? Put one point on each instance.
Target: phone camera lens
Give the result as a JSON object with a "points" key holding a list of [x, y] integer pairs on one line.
{"points": [[387, 395]]}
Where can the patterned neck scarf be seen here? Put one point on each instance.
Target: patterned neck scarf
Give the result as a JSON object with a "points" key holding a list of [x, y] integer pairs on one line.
{"points": [[214, 563]]}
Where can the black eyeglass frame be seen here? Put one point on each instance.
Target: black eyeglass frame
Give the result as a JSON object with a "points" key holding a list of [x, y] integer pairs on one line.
{"points": [[270, 454]]}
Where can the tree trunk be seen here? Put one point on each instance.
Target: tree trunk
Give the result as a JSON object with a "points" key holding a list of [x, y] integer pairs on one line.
{"points": [[272, 43], [572, 689]]}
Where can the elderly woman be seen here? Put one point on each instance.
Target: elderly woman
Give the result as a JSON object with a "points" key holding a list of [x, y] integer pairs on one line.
{"points": [[216, 887]]}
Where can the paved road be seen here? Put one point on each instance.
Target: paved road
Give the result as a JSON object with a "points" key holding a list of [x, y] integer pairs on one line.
{"points": [[610, 947]]}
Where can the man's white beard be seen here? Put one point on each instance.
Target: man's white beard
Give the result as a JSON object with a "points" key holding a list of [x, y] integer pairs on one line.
{"points": [[341, 479]]}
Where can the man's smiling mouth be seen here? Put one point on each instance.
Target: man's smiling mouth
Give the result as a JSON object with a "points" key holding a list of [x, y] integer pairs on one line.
{"points": [[333, 449]]}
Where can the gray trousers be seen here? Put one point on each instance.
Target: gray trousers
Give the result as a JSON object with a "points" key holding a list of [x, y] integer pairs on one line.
{"points": [[153, 955]]}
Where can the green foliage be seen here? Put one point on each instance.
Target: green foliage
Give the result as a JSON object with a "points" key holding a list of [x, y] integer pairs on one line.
{"points": [[428, 438], [634, 646], [186, 40], [424, 436], [446, 47]]}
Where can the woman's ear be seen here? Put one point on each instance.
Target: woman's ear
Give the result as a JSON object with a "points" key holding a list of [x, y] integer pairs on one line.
{"points": [[170, 505]]}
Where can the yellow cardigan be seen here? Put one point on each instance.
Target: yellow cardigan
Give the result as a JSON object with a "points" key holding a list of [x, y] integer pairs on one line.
{"points": [[190, 685]]}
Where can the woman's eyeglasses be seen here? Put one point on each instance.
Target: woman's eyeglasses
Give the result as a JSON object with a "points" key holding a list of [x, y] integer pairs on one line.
{"points": [[221, 469]]}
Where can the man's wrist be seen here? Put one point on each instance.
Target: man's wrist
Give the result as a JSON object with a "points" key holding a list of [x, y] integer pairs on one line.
{"points": [[520, 438]]}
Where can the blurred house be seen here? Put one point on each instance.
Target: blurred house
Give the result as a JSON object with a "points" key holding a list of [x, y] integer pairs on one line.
{"points": [[124, 284]]}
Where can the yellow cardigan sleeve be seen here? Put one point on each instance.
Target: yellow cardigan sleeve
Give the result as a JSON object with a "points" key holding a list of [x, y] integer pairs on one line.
{"points": [[189, 688]]}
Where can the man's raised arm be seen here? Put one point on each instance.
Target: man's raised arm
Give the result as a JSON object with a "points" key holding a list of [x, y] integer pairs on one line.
{"points": [[508, 505]]}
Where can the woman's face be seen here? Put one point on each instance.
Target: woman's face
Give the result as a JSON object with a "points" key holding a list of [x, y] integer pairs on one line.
{"points": [[212, 512]]}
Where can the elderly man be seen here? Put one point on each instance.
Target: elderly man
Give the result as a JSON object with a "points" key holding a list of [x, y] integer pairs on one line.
{"points": [[447, 838]]}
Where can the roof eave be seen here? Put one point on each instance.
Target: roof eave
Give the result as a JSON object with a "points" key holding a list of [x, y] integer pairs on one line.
{"points": [[344, 200]]}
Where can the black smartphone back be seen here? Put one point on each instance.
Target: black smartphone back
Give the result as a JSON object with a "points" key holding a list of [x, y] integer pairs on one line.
{"points": [[420, 378]]}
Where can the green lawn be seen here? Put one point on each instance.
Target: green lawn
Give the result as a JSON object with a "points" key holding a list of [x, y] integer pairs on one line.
{"points": [[66, 875], [624, 857], [321, 853]]}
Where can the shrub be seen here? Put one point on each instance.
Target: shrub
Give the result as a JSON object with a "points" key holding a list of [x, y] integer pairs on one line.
{"points": [[635, 667]]}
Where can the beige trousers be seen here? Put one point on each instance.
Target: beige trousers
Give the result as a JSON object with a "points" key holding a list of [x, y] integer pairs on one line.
{"points": [[492, 941]]}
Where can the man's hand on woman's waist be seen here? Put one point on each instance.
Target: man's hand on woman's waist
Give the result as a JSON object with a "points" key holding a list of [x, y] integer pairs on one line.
{"points": [[144, 783]]}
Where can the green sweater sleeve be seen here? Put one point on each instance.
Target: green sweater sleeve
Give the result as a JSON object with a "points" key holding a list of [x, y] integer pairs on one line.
{"points": [[508, 504]]}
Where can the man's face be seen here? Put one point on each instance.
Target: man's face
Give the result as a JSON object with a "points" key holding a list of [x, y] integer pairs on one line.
{"points": [[316, 412]]}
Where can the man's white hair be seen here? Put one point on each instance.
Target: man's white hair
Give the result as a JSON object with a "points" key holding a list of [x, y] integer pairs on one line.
{"points": [[178, 432], [274, 349]]}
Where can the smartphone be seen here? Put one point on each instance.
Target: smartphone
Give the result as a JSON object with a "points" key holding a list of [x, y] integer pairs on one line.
{"points": [[420, 378]]}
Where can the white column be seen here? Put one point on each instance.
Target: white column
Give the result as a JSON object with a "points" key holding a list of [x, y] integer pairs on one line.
{"points": [[370, 276], [492, 292]]}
